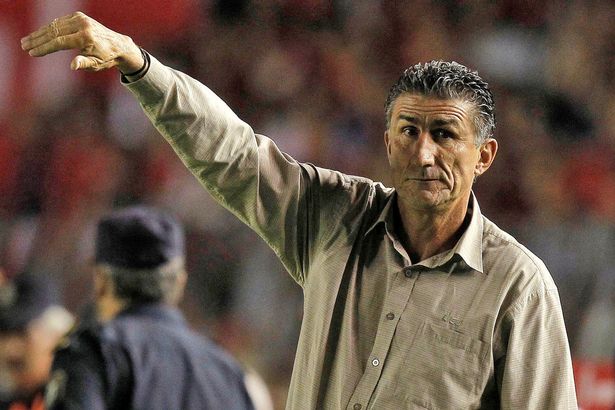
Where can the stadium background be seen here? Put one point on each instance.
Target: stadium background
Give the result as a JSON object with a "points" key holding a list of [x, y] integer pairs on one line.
{"points": [[313, 75]]}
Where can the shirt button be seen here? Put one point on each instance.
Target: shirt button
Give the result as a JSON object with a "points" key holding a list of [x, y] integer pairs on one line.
{"points": [[375, 362], [408, 272], [390, 316], [356, 406]]}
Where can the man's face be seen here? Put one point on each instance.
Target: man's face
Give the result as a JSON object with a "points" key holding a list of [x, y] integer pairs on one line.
{"points": [[25, 358], [432, 152]]}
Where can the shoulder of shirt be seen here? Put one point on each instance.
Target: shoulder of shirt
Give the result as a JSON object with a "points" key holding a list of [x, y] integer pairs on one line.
{"points": [[520, 258], [345, 189], [363, 186], [335, 177]]}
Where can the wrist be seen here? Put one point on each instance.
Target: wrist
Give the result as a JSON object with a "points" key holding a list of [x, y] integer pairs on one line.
{"points": [[141, 69], [132, 60]]}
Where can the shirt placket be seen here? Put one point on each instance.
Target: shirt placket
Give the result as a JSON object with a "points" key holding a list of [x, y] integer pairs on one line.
{"points": [[395, 304]]}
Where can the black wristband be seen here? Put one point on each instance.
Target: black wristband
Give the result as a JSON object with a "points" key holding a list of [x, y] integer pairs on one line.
{"points": [[143, 67]]}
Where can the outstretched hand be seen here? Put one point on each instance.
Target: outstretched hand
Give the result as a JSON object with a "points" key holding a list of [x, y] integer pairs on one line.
{"points": [[99, 47]]}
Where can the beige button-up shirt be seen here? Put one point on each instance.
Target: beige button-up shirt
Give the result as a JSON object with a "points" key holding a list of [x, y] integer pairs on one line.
{"points": [[478, 326]]}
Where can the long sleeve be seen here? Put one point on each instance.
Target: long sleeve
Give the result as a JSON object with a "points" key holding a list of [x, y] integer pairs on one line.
{"points": [[536, 371], [278, 197], [76, 381]]}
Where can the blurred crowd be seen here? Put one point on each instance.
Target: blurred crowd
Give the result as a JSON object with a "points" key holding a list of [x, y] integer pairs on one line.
{"points": [[312, 75]]}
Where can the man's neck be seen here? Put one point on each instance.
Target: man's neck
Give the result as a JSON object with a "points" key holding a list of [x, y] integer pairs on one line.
{"points": [[108, 308], [427, 233]]}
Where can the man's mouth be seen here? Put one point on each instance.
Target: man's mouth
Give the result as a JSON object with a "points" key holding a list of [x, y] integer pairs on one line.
{"points": [[424, 179]]}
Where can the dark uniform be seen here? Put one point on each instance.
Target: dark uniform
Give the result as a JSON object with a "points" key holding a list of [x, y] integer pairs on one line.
{"points": [[145, 358]]}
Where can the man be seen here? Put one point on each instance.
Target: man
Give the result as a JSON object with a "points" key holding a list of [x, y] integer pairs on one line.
{"points": [[413, 299], [31, 324], [143, 355]]}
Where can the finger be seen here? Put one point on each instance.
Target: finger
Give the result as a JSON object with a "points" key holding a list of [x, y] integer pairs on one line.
{"points": [[38, 38], [68, 42], [44, 30], [58, 27], [39, 41], [41, 32]]}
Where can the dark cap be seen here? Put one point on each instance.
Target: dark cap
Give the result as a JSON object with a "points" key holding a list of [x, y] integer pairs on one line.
{"points": [[24, 298], [139, 237]]}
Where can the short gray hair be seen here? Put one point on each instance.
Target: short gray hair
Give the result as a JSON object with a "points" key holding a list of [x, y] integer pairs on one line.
{"points": [[444, 79], [136, 286]]}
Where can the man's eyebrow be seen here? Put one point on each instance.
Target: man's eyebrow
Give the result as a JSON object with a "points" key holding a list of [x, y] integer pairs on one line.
{"points": [[408, 118], [438, 122], [441, 122]]}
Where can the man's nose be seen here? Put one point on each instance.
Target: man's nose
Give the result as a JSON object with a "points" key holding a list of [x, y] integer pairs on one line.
{"points": [[425, 150]]}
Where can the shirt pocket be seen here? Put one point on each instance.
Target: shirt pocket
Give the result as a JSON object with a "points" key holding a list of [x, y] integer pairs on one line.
{"points": [[442, 366]]}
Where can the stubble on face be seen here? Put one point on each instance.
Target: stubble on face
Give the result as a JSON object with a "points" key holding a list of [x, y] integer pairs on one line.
{"points": [[432, 153]]}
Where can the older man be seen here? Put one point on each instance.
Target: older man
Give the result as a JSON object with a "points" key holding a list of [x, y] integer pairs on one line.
{"points": [[143, 354], [413, 299]]}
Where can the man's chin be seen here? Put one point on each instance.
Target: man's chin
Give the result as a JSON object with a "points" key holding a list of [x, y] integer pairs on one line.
{"points": [[427, 200]]}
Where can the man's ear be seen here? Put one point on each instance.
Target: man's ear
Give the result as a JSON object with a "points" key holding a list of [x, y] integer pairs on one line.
{"points": [[487, 153], [182, 280], [102, 281], [387, 143]]}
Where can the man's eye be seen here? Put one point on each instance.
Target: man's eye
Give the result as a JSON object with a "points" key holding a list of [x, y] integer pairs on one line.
{"points": [[410, 131], [442, 134]]}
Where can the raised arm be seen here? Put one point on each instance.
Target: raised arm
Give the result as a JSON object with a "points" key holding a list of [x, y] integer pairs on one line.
{"points": [[279, 198], [99, 47]]}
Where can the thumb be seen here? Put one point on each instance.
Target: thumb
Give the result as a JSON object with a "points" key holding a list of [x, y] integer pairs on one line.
{"points": [[83, 63], [78, 63]]}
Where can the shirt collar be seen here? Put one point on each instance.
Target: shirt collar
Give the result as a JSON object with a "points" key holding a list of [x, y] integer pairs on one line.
{"points": [[469, 247], [386, 216], [157, 311]]}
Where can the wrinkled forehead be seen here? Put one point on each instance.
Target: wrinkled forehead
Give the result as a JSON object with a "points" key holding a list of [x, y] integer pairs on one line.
{"points": [[411, 105]]}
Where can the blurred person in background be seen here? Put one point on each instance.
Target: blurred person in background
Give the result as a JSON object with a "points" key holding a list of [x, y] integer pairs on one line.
{"points": [[412, 297], [31, 325], [140, 353]]}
